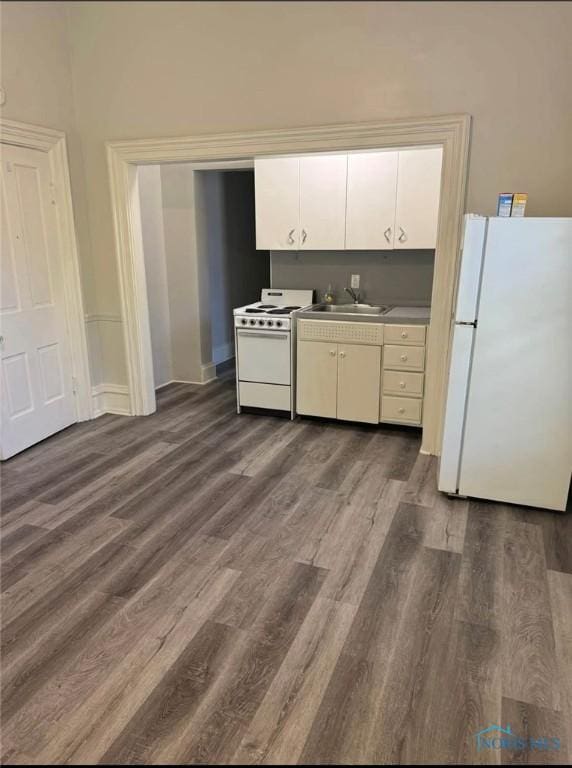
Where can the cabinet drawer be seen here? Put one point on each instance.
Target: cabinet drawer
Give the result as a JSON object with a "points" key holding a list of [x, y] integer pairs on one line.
{"points": [[402, 383], [404, 358], [404, 334], [405, 409]]}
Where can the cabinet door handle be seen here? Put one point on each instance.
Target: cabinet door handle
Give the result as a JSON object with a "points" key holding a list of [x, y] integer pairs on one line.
{"points": [[304, 235], [401, 410], [404, 334], [402, 384], [333, 352], [387, 234], [290, 237], [403, 236], [403, 358], [342, 354]]}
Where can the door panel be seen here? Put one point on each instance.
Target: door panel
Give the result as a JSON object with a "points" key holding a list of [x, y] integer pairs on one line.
{"points": [[359, 377], [36, 369], [317, 378], [418, 193], [372, 187], [323, 202], [277, 195]]}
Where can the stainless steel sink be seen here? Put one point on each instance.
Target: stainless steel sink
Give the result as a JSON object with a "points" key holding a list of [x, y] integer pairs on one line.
{"points": [[350, 309]]}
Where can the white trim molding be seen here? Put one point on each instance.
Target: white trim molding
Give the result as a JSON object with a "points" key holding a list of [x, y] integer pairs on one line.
{"points": [[449, 131], [54, 144], [110, 398], [103, 318]]}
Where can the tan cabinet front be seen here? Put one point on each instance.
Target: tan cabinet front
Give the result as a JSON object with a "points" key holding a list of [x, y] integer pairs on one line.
{"points": [[403, 383], [403, 358], [358, 382], [404, 334], [317, 379], [402, 409]]}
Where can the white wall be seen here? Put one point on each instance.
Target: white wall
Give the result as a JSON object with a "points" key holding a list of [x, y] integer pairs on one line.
{"points": [[151, 201], [153, 69]]}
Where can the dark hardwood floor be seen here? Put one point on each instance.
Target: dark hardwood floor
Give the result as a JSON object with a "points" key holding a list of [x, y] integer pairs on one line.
{"points": [[201, 587]]}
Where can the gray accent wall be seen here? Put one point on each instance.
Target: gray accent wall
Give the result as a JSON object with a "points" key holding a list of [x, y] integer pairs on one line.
{"points": [[396, 277]]}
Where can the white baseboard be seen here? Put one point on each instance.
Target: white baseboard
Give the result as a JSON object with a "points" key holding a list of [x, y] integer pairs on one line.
{"points": [[111, 398]]}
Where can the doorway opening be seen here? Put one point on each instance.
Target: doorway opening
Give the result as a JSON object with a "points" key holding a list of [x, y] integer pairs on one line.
{"points": [[199, 245]]}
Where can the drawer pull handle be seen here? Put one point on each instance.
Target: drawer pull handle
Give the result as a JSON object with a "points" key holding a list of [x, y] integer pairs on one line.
{"points": [[401, 410], [402, 384], [403, 357], [404, 334]]}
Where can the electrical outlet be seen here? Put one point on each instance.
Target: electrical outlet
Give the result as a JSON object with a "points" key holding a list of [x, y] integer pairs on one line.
{"points": [[355, 282]]}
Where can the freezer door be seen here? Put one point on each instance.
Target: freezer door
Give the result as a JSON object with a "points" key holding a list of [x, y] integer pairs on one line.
{"points": [[474, 237], [517, 442], [455, 409]]}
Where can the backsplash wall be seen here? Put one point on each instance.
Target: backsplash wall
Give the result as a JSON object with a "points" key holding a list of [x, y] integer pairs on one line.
{"points": [[396, 277]]}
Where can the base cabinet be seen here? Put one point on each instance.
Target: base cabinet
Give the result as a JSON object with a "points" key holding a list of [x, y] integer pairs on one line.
{"points": [[347, 371], [358, 382], [317, 379], [339, 381]]}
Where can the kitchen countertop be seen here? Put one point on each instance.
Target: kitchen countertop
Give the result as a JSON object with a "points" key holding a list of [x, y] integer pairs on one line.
{"points": [[397, 315]]}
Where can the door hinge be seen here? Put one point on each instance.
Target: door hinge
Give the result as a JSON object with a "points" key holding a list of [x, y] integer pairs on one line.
{"points": [[74, 385], [54, 193]]}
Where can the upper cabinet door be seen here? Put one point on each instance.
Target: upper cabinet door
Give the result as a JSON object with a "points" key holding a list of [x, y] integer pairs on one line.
{"points": [[277, 193], [418, 192], [372, 187], [323, 202]]}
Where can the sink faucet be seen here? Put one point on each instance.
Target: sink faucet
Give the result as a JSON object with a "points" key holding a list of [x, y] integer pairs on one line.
{"points": [[356, 296]]}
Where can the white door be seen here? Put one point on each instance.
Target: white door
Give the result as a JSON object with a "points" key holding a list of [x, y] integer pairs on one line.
{"points": [[317, 379], [323, 202], [37, 383], [418, 194], [277, 196], [370, 213], [518, 427], [359, 377]]}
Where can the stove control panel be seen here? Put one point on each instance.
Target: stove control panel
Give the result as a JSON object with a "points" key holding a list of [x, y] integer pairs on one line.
{"points": [[267, 323]]}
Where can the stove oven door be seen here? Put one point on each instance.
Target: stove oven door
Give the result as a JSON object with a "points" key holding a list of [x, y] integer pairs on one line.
{"points": [[263, 356]]}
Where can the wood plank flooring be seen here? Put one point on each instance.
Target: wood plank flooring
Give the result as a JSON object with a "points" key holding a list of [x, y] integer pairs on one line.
{"points": [[201, 587]]}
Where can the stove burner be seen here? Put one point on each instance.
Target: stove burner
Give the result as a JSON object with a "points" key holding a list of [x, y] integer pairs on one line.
{"points": [[282, 310], [267, 306], [253, 310]]}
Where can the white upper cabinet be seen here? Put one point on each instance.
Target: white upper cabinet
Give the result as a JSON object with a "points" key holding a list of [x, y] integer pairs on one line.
{"points": [[372, 190], [380, 200], [277, 190], [418, 192], [323, 202]]}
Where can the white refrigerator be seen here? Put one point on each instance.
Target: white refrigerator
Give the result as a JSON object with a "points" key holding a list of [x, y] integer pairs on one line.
{"points": [[508, 419]]}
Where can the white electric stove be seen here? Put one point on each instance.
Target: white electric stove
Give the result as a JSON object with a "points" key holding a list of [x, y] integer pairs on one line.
{"points": [[265, 343]]}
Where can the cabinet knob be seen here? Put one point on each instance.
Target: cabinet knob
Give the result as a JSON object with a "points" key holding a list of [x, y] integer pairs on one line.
{"points": [[333, 352], [402, 384], [401, 410], [404, 334], [342, 354], [290, 237], [403, 357]]}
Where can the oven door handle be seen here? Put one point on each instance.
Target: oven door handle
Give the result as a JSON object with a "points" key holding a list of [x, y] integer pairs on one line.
{"points": [[259, 334]]}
